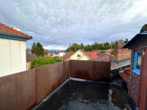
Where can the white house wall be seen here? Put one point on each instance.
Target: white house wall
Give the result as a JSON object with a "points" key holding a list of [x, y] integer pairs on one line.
{"points": [[12, 56]]}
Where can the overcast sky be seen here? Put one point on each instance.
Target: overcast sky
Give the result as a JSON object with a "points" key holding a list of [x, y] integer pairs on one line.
{"points": [[56, 23]]}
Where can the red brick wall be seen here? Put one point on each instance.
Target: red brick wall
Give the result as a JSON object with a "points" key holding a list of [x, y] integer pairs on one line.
{"points": [[134, 85], [121, 53]]}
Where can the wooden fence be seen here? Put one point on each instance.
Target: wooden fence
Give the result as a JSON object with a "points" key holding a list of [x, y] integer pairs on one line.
{"points": [[24, 90]]}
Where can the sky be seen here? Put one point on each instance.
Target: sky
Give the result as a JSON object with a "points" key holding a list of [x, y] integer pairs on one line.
{"points": [[56, 23]]}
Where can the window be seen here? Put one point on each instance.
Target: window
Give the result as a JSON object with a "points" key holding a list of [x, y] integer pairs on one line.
{"points": [[137, 62], [78, 55]]}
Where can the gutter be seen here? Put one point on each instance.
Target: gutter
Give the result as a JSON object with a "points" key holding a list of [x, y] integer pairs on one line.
{"points": [[14, 35]]}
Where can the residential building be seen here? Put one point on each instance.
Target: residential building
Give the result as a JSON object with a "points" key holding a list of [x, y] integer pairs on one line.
{"points": [[53, 54], [138, 75], [120, 52], [93, 53], [13, 50], [80, 55], [67, 55], [104, 58], [30, 58]]}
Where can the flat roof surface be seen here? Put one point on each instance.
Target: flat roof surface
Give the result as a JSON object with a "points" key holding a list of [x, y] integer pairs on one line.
{"points": [[87, 95]]}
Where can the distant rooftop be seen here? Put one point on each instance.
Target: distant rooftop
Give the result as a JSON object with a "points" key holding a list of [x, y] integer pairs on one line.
{"points": [[8, 31]]}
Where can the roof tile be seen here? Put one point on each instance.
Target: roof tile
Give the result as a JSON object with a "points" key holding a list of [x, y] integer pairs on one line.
{"points": [[10, 31]]}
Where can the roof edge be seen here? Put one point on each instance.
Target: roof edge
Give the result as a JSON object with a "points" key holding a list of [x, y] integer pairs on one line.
{"points": [[14, 35]]}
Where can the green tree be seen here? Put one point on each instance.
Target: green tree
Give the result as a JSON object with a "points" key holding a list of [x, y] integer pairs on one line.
{"points": [[82, 46], [107, 45], [87, 48], [112, 52], [37, 49], [33, 49], [41, 61], [45, 52], [57, 59], [103, 51]]}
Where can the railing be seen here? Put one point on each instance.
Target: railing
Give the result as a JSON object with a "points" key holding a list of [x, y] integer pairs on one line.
{"points": [[120, 63]]}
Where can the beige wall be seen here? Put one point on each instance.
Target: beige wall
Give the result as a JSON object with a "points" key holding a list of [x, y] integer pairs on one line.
{"points": [[28, 65], [12, 56], [82, 56]]}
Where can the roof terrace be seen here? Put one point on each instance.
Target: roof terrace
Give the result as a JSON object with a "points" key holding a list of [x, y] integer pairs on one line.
{"points": [[70, 85]]}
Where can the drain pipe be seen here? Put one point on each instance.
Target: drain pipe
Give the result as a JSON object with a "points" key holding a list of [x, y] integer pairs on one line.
{"points": [[110, 95]]}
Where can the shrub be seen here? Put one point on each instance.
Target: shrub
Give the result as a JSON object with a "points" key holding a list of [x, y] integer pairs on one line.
{"points": [[103, 51], [57, 59], [50, 60], [41, 61]]}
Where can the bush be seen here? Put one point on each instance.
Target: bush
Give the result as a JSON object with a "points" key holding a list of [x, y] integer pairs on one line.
{"points": [[50, 60], [41, 61], [103, 51], [57, 59]]}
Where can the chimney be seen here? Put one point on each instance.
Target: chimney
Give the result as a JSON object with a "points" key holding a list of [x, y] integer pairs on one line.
{"points": [[126, 41], [16, 28]]}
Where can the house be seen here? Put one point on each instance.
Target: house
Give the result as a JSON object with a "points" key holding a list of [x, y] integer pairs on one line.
{"points": [[93, 53], [53, 54], [104, 58], [80, 55], [120, 52], [108, 51], [138, 75], [49, 55], [13, 50], [67, 55], [30, 58]]}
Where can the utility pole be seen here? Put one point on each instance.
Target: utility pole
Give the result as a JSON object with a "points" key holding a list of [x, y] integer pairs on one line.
{"points": [[110, 51], [69, 51]]}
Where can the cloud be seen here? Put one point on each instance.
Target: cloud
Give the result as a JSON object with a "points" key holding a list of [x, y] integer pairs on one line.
{"points": [[56, 23]]}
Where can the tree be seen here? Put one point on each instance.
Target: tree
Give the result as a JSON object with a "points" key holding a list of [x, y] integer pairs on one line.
{"points": [[33, 50], [41, 61], [37, 49], [57, 59], [82, 46], [103, 51], [112, 52], [87, 48], [45, 52], [107, 45]]}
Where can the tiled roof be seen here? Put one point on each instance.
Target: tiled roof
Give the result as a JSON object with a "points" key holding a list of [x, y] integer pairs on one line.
{"points": [[30, 57], [93, 53], [65, 57], [126, 75], [104, 57], [86, 54], [49, 55], [8, 31]]}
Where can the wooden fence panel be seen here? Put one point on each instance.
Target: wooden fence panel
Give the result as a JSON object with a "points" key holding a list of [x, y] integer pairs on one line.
{"points": [[101, 71], [18, 91], [82, 69], [91, 70], [66, 70], [48, 79]]}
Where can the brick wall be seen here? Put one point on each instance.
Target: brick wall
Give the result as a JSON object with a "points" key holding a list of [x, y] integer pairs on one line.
{"points": [[134, 85], [121, 53]]}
